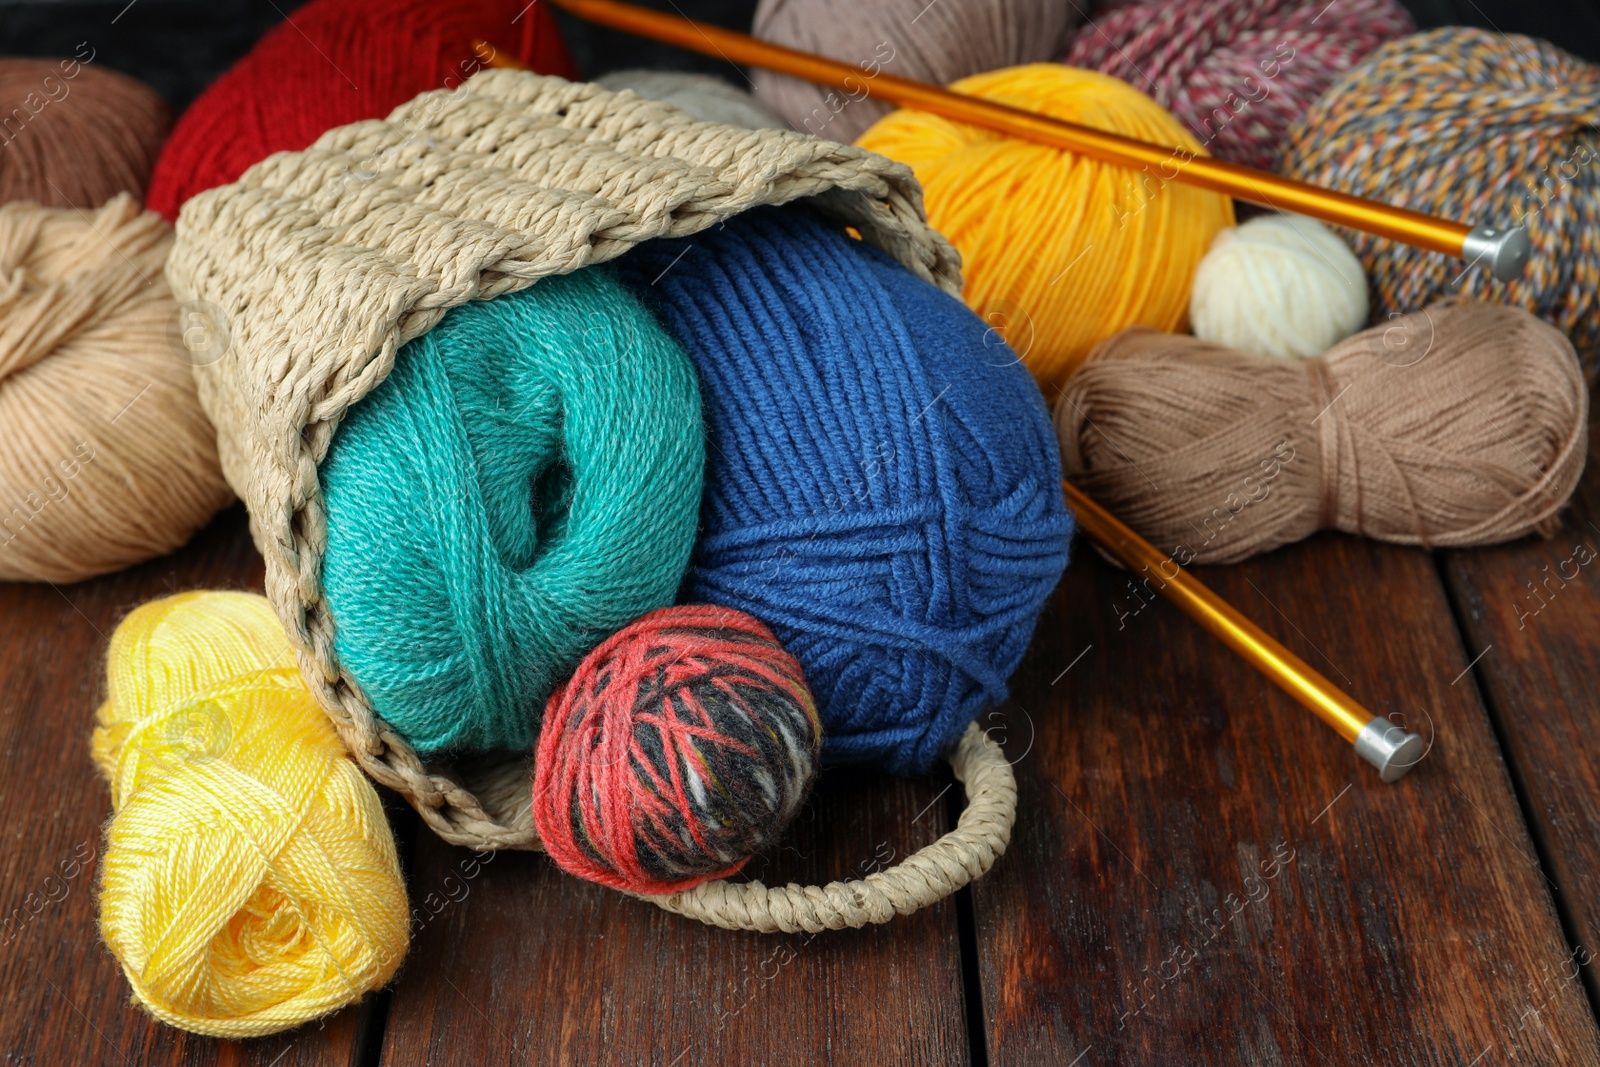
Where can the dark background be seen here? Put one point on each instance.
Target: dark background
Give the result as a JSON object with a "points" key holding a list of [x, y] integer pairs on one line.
{"points": [[178, 46]]}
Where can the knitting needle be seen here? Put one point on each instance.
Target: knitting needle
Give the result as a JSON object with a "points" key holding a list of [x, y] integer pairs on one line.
{"points": [[1503, 250], [1387, 747]]}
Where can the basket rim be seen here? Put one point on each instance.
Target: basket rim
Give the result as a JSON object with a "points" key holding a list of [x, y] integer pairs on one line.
{"points": [[925, 877]]}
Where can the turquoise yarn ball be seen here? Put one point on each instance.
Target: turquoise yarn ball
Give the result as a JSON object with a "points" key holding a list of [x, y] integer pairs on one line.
{"points": [[523, 484]]}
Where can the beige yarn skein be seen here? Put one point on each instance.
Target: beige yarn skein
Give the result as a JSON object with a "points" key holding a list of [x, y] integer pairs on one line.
{"points": [[1464, 424], [106, 457]]}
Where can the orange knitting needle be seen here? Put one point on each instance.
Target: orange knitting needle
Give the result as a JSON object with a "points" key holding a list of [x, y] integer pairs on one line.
{"points": [[1390, 749], [1503, 250], [1387, 747]]}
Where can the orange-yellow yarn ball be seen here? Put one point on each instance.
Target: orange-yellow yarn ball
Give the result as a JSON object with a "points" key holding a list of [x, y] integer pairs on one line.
{"points": [[1060, 251], [250, 881]]}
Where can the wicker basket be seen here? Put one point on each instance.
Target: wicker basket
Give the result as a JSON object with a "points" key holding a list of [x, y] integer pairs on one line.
{"points": [[317, 266]]}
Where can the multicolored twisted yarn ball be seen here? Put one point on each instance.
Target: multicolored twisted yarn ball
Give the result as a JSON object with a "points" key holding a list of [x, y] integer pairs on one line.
{"points": [[1488, 128], [680, 747], [882, 484], [1238, 72], [334, 62]]}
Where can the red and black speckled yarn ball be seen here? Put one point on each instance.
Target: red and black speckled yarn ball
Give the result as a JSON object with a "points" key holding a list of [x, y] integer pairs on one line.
{"points": [[679, 748]]}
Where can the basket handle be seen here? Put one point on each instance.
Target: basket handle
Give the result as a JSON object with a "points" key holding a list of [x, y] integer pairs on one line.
{"points": [[924, 878]]}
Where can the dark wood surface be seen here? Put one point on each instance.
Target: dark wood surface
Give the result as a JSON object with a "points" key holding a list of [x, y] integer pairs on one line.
{"points": [[555, 971], [1531, 616], [1368, 923], [1201, 872], [62, 996]]}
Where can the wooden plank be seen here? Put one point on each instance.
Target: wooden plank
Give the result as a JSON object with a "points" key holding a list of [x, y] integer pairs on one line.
{"points": [[63, 998], [1204, 873], [1531, 612], [519, 962]]}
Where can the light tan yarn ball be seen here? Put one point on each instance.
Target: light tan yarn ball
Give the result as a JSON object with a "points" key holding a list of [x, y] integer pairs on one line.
{"points": [[106, 457]]}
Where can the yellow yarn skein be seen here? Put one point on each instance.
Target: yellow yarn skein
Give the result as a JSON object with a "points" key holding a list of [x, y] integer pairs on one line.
{"points": [[1060, 251], [250, 881]]}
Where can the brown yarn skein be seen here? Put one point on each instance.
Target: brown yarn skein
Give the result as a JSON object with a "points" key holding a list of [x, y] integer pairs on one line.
{"points": [[106, 457], [74, 135], [1460, 425]]}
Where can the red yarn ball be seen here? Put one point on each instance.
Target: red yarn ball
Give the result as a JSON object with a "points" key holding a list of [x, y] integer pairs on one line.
{"points": [[1237, 73], [334, 62], [681, 747]]}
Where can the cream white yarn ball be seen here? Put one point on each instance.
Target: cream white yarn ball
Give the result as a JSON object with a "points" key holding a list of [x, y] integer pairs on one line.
{"points": [[701, 95], [1279, 285]]}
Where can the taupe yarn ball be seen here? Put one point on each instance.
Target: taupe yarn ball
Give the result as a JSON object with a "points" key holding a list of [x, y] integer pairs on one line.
{"points": [[940, 43], [1465, 424], [705, 97], [106, 457], [75, 135]]}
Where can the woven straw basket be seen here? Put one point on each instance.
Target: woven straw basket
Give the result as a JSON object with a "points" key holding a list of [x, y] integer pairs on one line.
{"points": [[317, 266]]}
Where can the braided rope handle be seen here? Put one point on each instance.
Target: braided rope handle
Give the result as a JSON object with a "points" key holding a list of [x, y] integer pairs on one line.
{"points": [[926, 877]]}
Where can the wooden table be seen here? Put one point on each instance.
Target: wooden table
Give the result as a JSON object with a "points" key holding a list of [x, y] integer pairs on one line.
{"points": [[1201, 872]]}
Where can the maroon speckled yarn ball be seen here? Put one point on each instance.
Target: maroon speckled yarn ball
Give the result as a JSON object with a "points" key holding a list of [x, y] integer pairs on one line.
{"points": [[1240, 72]]}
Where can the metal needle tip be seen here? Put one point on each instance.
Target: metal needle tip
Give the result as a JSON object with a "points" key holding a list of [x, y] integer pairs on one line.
{"points": [[1503, 250], [1390, 749]]}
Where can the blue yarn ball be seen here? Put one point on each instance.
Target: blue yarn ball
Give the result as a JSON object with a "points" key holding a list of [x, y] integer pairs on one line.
{"points": [[882, 483], [524, 483]]}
